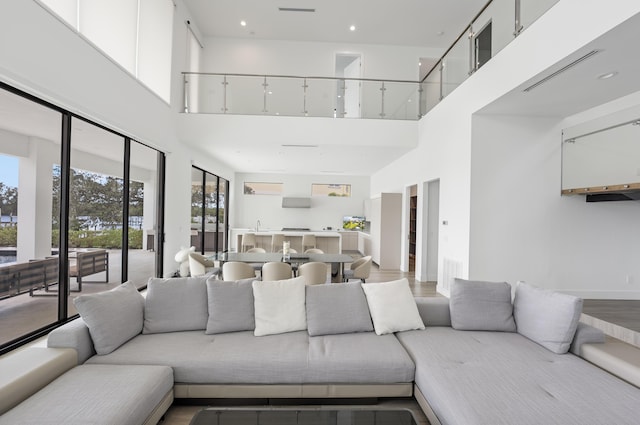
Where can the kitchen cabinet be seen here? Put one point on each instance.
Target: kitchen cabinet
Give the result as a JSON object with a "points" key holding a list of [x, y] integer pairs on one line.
{"points": [[386, 230], [349, 241], [364, 244]]}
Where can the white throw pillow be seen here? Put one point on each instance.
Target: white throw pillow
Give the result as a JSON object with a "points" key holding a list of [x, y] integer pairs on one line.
{"points": [[279, 306], [392, 306]]}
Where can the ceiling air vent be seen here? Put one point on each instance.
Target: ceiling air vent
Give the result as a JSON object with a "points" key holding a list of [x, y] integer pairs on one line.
{"points": [[561, 70], [295, 9]]}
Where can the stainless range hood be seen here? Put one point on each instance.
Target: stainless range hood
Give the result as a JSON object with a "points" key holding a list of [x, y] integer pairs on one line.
{"points": [[290, 202]]}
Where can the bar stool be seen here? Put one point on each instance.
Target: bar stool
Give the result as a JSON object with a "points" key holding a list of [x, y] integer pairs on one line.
{"points": [[276, 241], [308, 241], [248, 241]]}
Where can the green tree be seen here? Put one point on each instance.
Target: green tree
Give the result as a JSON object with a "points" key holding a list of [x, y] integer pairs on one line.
{"points": [[8, 199]]}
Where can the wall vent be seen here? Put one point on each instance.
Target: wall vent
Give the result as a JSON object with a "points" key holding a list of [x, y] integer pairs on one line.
{"points": [[561, 70], [450, 270]]}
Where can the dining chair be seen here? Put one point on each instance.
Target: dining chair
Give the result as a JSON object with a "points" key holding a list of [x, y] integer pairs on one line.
{"points": [[314, 273], [308, 241], [248, 241], [314, 251], [235, 270], [276, 270], [276, 241], [360, 269], [199, 265]]}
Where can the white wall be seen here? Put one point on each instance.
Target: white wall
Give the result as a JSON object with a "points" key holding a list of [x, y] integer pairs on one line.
{"points": [[249, 56], [324, 211], [522, 229], [50, 60], [446, 136]]}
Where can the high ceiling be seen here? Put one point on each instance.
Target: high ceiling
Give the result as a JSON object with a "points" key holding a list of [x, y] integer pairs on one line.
{"points": [[427, 23], [433, 24]]}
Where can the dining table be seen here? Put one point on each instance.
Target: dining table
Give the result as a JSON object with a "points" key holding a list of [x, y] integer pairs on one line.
{"points": [[337, 261]]}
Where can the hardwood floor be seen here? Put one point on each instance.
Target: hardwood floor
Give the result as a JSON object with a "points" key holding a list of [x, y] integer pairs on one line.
{"points": [[619, 319]]}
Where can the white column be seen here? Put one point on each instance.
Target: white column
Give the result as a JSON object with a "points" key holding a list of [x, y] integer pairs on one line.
{"points": [[35, 185], [149, 211]]}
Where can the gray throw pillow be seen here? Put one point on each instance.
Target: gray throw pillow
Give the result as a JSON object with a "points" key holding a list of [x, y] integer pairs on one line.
{"points": [[174, 305], [337, 309], [546, 317], [481, 306], [113, 317], [230, 306]]}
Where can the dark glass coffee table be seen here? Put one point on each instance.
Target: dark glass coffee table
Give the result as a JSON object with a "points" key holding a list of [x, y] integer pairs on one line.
{"points": [[303, 416]]}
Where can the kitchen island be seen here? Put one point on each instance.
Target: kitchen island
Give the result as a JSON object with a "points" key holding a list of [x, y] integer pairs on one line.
{"points": [[328, 241]]}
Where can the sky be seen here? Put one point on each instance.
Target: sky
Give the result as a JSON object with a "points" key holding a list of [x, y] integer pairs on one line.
{"points": [[9, 170]]}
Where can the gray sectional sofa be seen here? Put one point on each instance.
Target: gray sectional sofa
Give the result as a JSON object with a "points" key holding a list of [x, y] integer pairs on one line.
{"points": [[334, 341]]}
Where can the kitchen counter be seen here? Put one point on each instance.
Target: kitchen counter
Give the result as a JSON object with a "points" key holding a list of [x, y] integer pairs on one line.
{"points": [[330, 241]]}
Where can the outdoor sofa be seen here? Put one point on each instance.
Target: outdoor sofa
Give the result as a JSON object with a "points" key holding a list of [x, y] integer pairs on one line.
{"points": [[268, 340]]}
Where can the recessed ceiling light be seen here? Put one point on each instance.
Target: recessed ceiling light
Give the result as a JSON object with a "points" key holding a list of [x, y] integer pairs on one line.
{"points": [[607, 75], [243, 23], [419, 63], [352, 28]]}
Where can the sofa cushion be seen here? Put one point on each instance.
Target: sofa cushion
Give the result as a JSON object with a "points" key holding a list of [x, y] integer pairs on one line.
{"points": [[279, 306], [113, 317], [288, 358], [480, 377], [481, 306], [546, 317], [178, 304], [392, 306], [337, 309], [230, 306]]}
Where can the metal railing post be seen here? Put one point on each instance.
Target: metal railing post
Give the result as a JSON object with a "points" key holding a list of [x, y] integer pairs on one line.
{"points": [[517, 28], [382, 90], [264, 95], [224, 94], [185, 94], [304, 98]]}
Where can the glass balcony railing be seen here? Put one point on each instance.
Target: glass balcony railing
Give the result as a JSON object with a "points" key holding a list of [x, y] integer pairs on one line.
{"points": [[210, 93], [497, 24]]}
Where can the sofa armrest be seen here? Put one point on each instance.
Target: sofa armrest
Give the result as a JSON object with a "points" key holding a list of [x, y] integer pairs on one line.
{"points": [[25, 372], [74, 334], [434, 311], [585, 334]]}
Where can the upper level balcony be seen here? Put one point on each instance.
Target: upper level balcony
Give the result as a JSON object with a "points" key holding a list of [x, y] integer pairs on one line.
{"points": [[493, 28], [294, 96]]}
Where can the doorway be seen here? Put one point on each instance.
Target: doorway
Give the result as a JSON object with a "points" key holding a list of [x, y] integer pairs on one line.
{"points": [[348, 67], [413, 226], [482, 44], [429, 243]]}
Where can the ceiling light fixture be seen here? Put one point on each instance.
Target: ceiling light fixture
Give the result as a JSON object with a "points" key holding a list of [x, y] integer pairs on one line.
{"points": [[607, 75], [352, 28], [243, 23]]}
